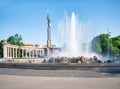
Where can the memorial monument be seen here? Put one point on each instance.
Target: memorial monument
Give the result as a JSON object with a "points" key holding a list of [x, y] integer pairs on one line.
{"points": [[30, 51]]}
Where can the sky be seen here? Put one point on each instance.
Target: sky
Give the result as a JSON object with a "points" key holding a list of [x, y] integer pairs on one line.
{"points": [[28, 17]]}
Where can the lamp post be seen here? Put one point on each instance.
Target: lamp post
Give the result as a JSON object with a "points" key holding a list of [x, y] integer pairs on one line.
{"points": [[108, 43]]}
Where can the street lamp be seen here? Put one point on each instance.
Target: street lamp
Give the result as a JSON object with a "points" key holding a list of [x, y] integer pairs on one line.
{"points": [[108, 43]]}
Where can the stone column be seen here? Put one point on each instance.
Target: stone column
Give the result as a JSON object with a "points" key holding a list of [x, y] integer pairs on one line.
{"points": [[4, 51], [22, 53], [19, 53], [48, 32], [39, 53], [36, 53], [25, 53], [29, 53], [33, 53], [10, 53], [13, 52], [16, 53]]}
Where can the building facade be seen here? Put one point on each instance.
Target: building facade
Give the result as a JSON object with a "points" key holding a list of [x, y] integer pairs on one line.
{"points": [[29, 50], [15, 51]]}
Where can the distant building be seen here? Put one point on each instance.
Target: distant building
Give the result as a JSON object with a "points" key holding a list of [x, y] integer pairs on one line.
{"points": [[30, 50]]}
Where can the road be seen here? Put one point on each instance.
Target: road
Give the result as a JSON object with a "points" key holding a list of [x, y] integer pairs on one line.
{"points": [[19, 78]]}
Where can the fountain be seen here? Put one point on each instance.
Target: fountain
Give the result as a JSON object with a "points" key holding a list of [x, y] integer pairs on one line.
{"points": [[76, 48], [73, 37]]}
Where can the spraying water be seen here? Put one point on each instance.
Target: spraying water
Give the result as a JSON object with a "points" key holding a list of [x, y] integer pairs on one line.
{"points": [[73, 37], [71, 44]]}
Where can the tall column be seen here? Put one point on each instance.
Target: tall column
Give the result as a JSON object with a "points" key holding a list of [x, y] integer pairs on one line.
{"points": [[48, 32], [4, 51], [13, 52], [10, 53], [36, 53], [22, 53], [29, 53], [16, 52], [39, 53], [33, 53], [25, 53], [19, 53]]}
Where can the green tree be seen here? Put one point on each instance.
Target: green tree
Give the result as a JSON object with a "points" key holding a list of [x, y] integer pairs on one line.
{"points": [[104, 43], [1, 48], [116, 46], [97, 47], [15, 40], [115, 52], [116, 42], [100, 44]]}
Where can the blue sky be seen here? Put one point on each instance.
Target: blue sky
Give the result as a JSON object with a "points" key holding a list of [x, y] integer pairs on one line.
{"points": [[28, 17]]}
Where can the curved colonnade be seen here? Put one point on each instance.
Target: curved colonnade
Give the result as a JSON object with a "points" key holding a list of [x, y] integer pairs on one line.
{"points": [[14, 51]]}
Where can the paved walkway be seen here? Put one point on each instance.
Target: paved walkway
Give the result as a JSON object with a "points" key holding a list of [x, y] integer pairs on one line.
{"points": [[30, 82]]}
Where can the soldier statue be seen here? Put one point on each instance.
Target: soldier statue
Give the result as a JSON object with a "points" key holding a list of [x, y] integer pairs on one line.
{"points": [[48, 20]]}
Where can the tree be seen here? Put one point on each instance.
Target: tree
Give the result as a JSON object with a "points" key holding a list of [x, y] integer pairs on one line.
{"points": [[97, 48], [116, 42], [15, 40], [100, 45], [116, 46], [1, 48], [115, 52]]}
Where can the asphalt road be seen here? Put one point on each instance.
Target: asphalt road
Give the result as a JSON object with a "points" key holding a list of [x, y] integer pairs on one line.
{"points": [[30, 76], [61, 70], [56, 73]]}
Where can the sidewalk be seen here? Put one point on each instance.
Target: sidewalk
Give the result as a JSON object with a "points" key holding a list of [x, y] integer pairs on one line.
{"points": [[29, 82]]}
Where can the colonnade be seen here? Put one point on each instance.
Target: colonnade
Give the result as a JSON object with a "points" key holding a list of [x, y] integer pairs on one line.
{"points": [[13, 51]]}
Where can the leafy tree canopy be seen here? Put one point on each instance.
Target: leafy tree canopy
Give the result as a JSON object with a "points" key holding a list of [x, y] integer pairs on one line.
{"points": [[15, 40], [100, 45]]}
